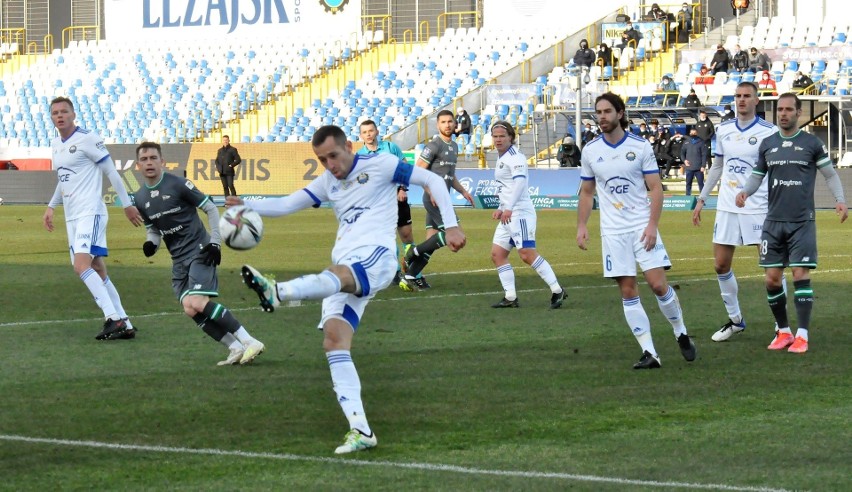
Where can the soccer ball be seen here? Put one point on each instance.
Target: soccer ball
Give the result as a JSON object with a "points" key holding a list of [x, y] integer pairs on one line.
{"points": [[241, 227]]}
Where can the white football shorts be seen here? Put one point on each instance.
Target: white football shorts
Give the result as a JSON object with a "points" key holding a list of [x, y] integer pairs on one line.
{"points": [[737, 229], [373, 268], [518, 233], [621, 253], [87, 235]]}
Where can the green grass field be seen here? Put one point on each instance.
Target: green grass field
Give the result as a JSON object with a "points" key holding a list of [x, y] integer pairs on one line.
{"points": [[460, 395]]}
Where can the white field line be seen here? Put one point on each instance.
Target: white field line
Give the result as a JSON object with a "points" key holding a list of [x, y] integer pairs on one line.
{"points": [[408, 297], [429, 467]]}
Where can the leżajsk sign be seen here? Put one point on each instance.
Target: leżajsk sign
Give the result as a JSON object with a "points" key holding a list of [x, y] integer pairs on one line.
{"points": [[165, 20]]}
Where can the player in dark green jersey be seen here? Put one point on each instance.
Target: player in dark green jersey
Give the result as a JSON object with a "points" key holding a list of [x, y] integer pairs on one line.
{"points": [[168, 205], [790, 160]]}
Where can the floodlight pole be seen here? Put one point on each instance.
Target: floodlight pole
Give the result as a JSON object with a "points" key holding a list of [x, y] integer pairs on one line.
{"points": [[582, 80]]}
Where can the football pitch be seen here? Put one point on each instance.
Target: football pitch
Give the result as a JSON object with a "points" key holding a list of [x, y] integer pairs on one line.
{"points": [[461, 396]]}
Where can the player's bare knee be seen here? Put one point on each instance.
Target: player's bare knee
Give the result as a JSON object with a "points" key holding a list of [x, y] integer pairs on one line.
{"points": [[528, 255], [193, 305]]}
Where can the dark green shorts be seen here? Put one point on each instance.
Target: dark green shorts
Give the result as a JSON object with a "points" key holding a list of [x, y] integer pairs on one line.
{"points": [[193, 277], [788, 244]]}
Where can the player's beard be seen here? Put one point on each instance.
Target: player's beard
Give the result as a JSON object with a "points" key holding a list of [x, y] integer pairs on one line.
{"points": [[608, 126]]}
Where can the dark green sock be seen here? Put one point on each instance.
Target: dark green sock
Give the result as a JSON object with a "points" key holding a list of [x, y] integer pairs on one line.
{"points": [[222, 317], [211, 328], [804, 302], [778, 304]]}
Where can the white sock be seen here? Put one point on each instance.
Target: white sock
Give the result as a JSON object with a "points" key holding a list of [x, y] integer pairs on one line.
{"points": [[96, 286], [542, 267], [116, 301], [639, 324], [243, 336], [670, 307], [729, 289], [802, 332], [507, 280], [347, 386], [317, 286], [786, 330], [230, 341]]}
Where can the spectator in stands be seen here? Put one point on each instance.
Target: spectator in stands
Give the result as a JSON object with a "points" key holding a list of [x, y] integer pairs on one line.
{"points": [[767, 84], [802, 81], [691, 100], [604, 58], [227, 158], [659, 152], [758, 61], [704, 77], [694, 155], [720, 61], [656, 13], [674, 159], [462, 123], [727, 113], [706, 131], [630, 36], [643, 131], [667, 84], [684, 23], [588, 134], [740, 61], [584, 57]]}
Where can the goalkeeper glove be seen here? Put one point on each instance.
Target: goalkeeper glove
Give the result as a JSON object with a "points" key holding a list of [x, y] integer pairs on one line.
{"points": [[211, 254], [149, 248]]}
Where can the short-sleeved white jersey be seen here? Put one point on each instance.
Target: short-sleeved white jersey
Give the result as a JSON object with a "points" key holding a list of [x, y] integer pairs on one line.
{"points": [[364, 202], [738, 147], [510, 167], [619, 172], [80, 179]]}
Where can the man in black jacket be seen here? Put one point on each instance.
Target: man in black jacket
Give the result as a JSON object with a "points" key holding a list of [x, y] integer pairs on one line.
{"points": [[802, 81], [720, 60], [673, 153], [584, 57], [226, 160], [694, 156], [706, 131], [740, 59]]}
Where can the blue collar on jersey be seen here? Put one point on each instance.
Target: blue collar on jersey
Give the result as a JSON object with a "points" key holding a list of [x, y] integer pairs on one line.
{"points": [[69, 136], [756, 119], [626, 134], [354, 164]]}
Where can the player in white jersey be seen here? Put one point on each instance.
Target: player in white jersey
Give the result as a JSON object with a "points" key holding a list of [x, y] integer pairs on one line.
{"points": [[516, 214], [81, 160], [363, 193], [737, 143], [619, 165]]}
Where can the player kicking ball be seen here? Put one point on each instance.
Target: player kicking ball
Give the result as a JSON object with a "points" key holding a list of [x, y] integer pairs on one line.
{"points": [[618, 166], [363, 194]]}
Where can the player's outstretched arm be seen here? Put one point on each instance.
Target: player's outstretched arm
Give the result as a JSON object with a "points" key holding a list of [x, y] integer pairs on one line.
{"points": [[277, 207]]}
